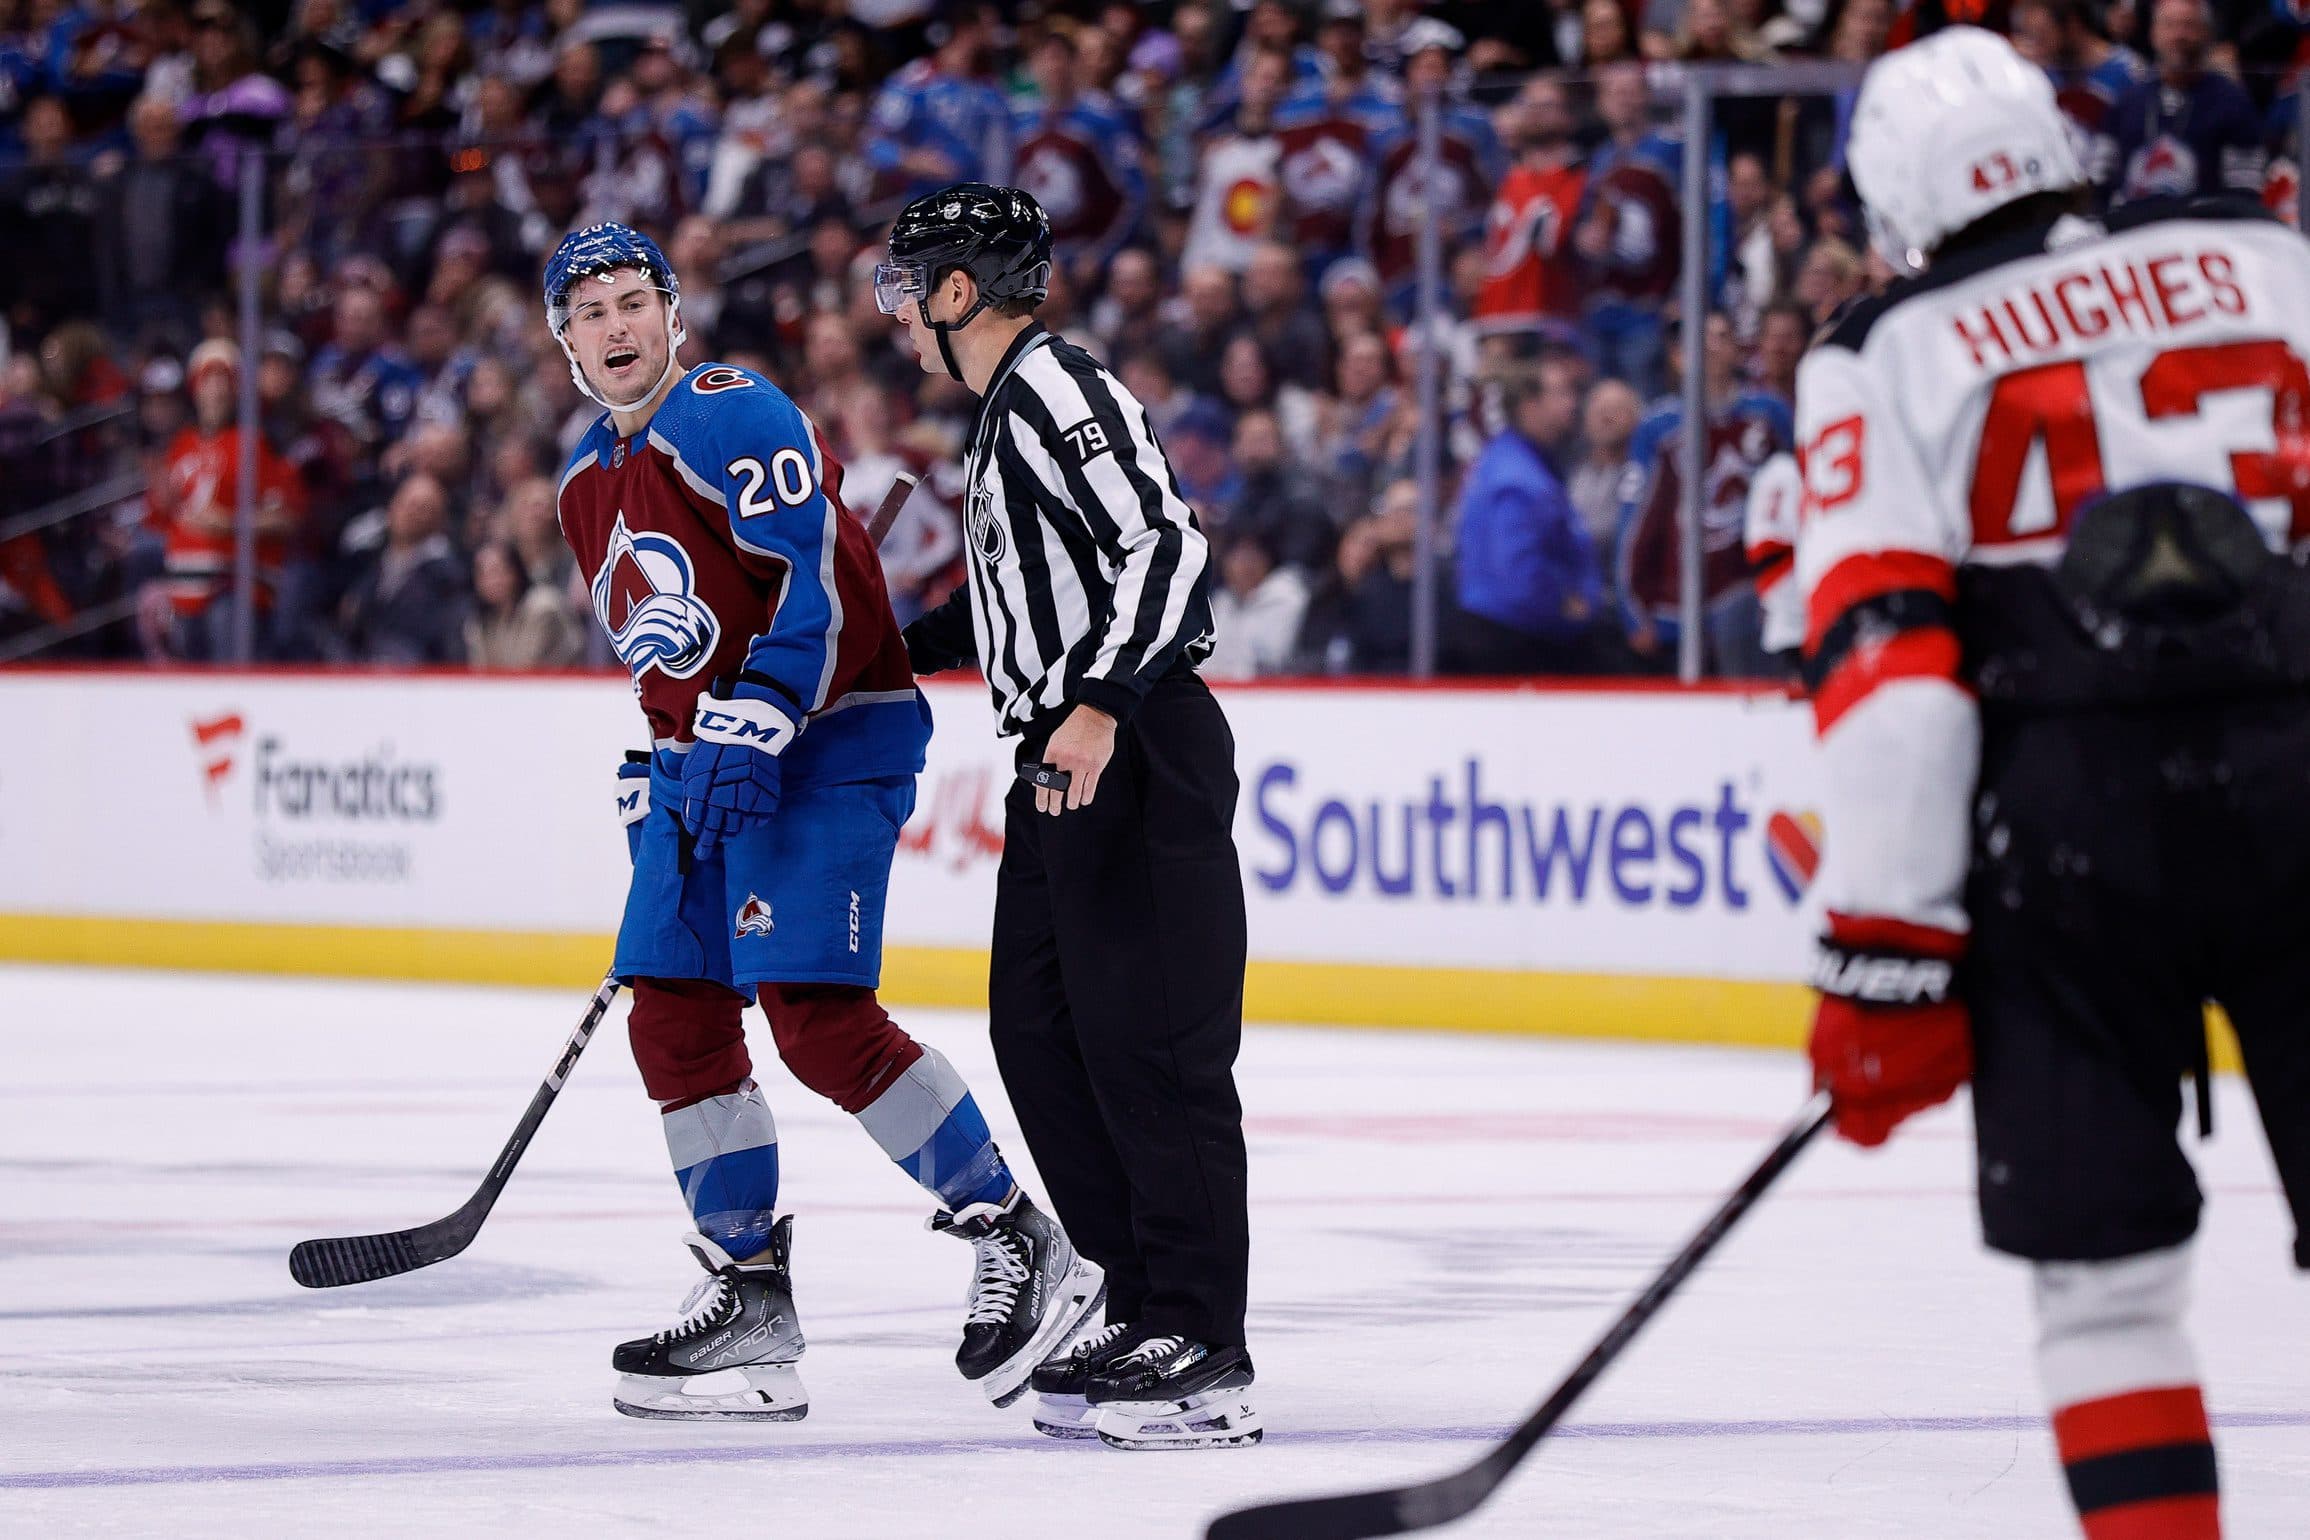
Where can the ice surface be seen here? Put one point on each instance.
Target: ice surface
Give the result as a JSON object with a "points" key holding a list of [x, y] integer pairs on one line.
{"points": [[1440, 1225]]}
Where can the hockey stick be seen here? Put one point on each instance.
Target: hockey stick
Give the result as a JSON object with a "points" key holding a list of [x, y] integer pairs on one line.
{"points": [[886, 512], [326, 1264], [1399, 1510]]}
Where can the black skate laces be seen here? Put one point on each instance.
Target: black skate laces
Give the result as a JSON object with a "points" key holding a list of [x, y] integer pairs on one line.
{"points": [[1000, 1273]]}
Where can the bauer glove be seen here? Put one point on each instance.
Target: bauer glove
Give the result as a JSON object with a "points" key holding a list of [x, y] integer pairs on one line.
{"points": [[1891, 1038], [731, 776]]}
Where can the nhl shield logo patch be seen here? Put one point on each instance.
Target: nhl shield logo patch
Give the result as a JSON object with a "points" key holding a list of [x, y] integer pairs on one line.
{"points": [[753, 918]]}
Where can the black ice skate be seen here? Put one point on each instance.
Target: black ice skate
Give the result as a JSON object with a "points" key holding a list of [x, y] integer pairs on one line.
{"points": [[1060, 1383], [733, 1354], [1029, 1292], [1175, 1393]]}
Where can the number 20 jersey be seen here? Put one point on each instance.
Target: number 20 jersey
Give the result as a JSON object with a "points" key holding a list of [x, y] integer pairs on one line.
{"points": [[715, 541], [1962, 419]]}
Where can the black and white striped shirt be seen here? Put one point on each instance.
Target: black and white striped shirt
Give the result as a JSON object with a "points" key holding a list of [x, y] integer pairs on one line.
{"points": [[1089, 577]]}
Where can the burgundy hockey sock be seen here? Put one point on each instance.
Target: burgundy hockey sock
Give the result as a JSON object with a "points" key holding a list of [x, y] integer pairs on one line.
{"points": [[2141, 1465]]}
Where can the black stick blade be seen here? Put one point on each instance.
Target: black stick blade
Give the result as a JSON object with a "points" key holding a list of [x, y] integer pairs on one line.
{"points": [[344, 1259], [1354, 1516]]}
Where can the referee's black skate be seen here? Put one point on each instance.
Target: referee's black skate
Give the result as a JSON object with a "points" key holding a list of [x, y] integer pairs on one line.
{"points": [[1061, 1382], [1029, 1292], [733, 1354], [1168, 1392]]}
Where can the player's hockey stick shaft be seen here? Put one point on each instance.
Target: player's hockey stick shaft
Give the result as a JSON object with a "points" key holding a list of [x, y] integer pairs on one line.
{"points": [[325, 1264], [886, 511], [1400, 1510]]}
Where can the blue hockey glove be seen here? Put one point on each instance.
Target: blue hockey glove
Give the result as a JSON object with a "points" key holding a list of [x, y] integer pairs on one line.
{"points": [[731, 776], [634, 799]]}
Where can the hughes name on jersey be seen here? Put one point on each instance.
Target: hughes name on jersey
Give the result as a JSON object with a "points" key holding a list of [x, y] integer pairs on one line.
{"points": [[716, 539], [1950, 434]]}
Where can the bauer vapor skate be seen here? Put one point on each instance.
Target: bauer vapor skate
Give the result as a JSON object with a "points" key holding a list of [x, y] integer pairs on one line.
{"points": [[1174, 1393], [733, 1353], [1061, 1383], [1029, 1292]]}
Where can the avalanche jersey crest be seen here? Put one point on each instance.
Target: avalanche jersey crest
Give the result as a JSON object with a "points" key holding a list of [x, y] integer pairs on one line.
{"points": [[646, 598]]}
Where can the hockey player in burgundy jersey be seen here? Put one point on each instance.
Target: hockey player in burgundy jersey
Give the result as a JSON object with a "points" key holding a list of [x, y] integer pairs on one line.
{"points": [[786, 734], [2061, 677]]}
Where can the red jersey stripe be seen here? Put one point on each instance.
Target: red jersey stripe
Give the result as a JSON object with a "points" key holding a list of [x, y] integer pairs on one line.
{"points": [[1929, 652]]}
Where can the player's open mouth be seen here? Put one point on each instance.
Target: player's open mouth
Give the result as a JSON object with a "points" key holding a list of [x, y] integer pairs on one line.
{"points": [[620, 358]]}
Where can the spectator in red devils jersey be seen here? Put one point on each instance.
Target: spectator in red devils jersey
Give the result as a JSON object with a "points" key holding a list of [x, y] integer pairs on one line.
{"points": [[1078, 154], [196, 506], [1532, 280]]}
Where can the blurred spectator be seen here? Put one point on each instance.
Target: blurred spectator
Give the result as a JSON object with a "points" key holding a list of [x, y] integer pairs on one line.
{"points": [[1353, 419], [1352, 303], [194, 507], [1831, 275], [1247, 383], [1200, 444], [1079, 155], [1360, 620], [516, 623], [2185, 131], [1274, 497], [1128, 316], [409, 603], [162, 232], [1238, 174], [235, 107], [1196, 332], [48, 213], [532, 524], [1530, 587], [1148, 377], [1630, 230], [1257, 608], [1607, 32], [1532, 281], [1325, 132], [1600, 483], [1783, 334], [361, 382], [1753, 279], [1469, 166], [938, 121], [2089, 72], [1744, 429], [1289, 333]]}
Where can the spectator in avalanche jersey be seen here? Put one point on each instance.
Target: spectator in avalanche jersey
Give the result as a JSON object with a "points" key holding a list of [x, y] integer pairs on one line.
{"points": [[1327, 128], [2184, 132], [1745, 428], [1471, 166], [1081, 159], [362, 383], [1630, 230], [1531, 278], [938, 122], [194, 506], [2089, 72]]}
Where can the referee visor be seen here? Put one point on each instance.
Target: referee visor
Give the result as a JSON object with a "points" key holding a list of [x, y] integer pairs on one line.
{"points": [[896, 284]]}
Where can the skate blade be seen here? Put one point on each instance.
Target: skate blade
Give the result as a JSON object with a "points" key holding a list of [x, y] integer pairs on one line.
{"points": [[1066, 1417], [1082, 1291], [752, 1393], [1217, 1422]]}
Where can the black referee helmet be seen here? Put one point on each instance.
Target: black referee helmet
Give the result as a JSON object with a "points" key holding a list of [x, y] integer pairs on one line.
{"points": [[998, 235]]}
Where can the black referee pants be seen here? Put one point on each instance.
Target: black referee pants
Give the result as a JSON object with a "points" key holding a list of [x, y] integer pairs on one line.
{"points": [[1117, 1009]]}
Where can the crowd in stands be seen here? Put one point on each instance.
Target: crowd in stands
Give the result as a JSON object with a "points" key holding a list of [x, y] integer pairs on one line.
{"points": [[1239, 200]]}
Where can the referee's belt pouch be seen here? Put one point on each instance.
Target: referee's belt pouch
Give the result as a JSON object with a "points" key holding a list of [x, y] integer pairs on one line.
{"points": [[2167, 593]]}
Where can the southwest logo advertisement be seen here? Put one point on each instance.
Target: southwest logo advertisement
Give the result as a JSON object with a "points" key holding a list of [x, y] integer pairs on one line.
{"points": [[646, 598], [1793, 851]]}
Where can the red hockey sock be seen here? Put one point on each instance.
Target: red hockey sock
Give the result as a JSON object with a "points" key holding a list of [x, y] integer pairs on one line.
{"points": [[2141, 1465]]}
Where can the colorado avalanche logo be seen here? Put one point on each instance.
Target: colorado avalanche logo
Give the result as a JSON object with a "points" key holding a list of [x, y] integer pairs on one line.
{"points": [[646, 598], [753, 918]]}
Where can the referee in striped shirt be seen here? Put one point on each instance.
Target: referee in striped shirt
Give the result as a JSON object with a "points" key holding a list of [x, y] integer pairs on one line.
{"points": [[1117, 979]]}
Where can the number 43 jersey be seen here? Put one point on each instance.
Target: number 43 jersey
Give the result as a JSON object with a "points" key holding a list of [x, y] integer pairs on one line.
{"points": [[1949, 432], [715, 541]]}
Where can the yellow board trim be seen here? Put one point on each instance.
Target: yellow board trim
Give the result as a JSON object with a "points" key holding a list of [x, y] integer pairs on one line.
{"points": [[1602, 1005]]}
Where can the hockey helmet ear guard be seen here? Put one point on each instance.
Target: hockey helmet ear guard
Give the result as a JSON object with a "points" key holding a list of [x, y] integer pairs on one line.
{"points": [[597, 251]]}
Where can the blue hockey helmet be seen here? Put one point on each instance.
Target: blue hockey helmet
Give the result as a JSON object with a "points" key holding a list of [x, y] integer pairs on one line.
{"points": [[605, 248]]}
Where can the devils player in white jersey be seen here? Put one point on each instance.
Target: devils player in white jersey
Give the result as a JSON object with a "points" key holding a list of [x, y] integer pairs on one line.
{"points": [[2061, 676], [786, 734]]}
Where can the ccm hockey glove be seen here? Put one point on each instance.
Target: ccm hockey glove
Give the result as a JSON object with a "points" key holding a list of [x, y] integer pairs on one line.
{"points": [[731, 776], [1891, 1038]]}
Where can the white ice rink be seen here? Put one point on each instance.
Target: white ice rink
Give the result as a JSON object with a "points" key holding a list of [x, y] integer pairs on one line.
{"points": [[1440, 1224]]}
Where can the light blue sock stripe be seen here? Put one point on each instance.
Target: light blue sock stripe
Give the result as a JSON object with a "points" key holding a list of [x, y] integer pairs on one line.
{"points": [[734, 1197], [959, 1162], [910, 1109]]}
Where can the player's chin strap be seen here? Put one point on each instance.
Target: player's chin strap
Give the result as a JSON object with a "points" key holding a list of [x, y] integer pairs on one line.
{"points": [[939, 329], [676, 335]]}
